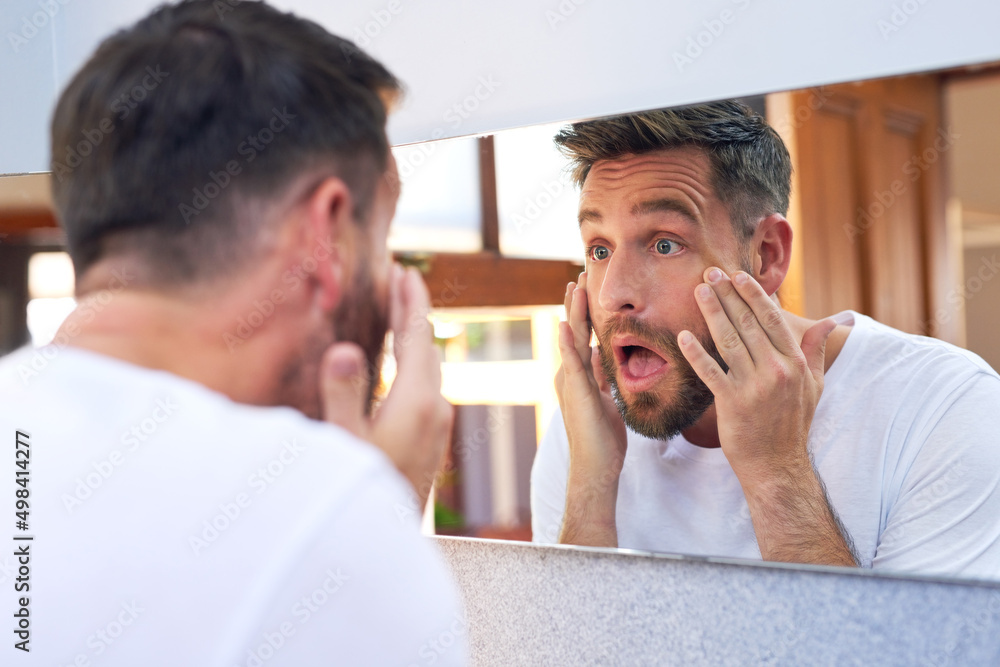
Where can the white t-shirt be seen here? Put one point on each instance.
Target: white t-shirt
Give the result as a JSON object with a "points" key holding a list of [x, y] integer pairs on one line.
{"points": [[906, 437], [173, 526]]}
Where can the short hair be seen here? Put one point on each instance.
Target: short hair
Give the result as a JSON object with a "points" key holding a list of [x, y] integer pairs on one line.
{"points": [[751, 168], [162, 142]]}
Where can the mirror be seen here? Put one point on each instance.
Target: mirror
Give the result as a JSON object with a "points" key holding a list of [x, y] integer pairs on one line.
{"points": [[936, 171], [896, 215]]}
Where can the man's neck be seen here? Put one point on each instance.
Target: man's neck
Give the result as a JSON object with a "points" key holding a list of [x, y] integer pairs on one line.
{"points": [[192, 335], [705, 432]]}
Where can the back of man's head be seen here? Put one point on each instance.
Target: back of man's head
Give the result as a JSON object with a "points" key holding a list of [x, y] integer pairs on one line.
{"points": [[751, 168], [171, 141]]}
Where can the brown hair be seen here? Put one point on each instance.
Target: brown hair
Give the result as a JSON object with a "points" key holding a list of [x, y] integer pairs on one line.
{"points": [[751, 167], [179, 131]]}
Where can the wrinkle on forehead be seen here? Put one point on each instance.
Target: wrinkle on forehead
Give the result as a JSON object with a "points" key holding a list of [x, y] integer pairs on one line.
{"points": [[646, 176]]}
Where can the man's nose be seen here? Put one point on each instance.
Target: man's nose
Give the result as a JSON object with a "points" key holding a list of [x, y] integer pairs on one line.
{"points": [[625, 285]]}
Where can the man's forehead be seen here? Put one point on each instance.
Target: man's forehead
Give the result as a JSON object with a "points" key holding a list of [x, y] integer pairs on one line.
{"points": [[689, 161], [673, 179]]}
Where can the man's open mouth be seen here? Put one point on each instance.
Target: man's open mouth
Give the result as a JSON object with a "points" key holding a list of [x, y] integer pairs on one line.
{"points": [[636, 360]]}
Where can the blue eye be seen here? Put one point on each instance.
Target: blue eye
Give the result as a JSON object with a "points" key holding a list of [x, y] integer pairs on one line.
{"points": [[598, 253], [666, 247]]}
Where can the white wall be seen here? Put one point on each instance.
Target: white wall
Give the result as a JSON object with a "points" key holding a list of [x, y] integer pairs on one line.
{"points": [[547, 60]]}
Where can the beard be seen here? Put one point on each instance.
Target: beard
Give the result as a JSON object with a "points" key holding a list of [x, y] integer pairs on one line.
{"points": [[645, 412], [361, 318]]}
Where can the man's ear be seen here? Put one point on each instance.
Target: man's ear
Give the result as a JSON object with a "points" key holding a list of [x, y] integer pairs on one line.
{"points": [[330, 239], [772, 251]]}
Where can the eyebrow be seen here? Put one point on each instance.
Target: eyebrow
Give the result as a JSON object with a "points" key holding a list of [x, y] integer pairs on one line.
{"points": [[665, 205], [589, 215], [644, 208]]}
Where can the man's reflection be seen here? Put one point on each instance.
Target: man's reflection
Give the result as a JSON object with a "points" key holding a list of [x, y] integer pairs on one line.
{"points": [[710, 421]]}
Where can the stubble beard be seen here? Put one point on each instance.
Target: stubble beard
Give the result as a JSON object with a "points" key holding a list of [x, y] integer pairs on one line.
{"points": [[646, 413], [360, 318]]}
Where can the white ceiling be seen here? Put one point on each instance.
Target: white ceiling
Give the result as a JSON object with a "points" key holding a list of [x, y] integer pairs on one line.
{"points": [[545, 61]]}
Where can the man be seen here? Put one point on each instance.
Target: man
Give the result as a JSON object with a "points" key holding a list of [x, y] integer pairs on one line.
{"points": [[228, 229], [751, 432]]}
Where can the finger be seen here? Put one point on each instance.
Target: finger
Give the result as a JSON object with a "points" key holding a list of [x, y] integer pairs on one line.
{"points": [[598, 369], [814, 346], [741, 315], [396, 315], [727, 339], [768, 314], [344, 388], [415, 353], [558, 381], [568, 299], [704, 365], [580, 324], [583, 311], [571, 363]]}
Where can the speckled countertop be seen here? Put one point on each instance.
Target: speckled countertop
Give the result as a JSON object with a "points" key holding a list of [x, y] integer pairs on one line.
{"points": [[533, 605]]}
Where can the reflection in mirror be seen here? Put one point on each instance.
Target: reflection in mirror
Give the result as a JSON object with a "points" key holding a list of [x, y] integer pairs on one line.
{"points": [[883, 227], [535, 196], [439, 203]]}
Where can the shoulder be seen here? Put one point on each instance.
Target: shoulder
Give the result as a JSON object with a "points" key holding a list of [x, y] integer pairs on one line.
{"points": [[883, 353], [111, 397]]}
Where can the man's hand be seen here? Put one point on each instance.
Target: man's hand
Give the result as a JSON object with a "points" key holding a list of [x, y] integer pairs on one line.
{"points": [[764, 407], [413, 424], [596, 433]]}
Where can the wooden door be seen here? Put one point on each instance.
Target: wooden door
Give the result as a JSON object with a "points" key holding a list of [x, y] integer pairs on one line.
{"points": [[868, 205]]}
